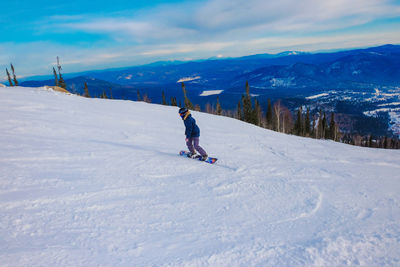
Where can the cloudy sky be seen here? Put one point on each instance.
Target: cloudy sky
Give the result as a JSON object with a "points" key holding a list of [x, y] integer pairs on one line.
{"points": [[101, 34]]}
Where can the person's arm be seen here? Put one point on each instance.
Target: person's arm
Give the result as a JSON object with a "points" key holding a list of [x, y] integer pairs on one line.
{"points": [[189, 128]]}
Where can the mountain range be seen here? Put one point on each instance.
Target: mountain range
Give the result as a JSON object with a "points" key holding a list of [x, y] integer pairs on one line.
{"points": [[290, 76]]}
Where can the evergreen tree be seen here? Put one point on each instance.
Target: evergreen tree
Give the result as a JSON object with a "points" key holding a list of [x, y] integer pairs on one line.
{"points": [[248, 113], [298, 126], [239, 111], [257, 113], [320, 128], [111, 94], [173, 101], [313, 135], [86, 89], [9, 78], [164, 101], [307, 130], [139, 98], [104, 95], [188, 103], [218, 107], [61, 81], [14, 76], [55, 77], [324, 127], [332, 127]]}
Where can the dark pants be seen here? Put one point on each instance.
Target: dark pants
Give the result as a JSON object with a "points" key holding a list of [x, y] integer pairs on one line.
{"points": [[193, 143]]}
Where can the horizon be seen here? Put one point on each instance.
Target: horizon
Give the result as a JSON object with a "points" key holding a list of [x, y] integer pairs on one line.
{"points": [[125, 34], [72, 74]]}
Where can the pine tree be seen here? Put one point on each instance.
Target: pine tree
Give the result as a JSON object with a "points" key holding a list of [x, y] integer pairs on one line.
{"points": [[111, 94], [257, 113], [173, 101], [139, 98], [324, 127], [9, 78], [385, 142], [307, 123], [164, 101], [320, 128], [61, 81], [248, 113], [188, 103], [239, 111], [218, 107], [14, 76], [313, 130], [55, 77], [298, 126], [86, 91], [332, 127]]}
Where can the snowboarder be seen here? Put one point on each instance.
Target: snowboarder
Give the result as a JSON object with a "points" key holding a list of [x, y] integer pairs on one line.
{"points": [[192, 133]]}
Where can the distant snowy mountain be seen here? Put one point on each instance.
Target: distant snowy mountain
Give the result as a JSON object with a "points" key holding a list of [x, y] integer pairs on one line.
{"points": [[93, 182], [349, 78]]}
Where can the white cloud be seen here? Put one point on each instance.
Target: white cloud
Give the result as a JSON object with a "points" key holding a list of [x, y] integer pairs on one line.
{"points": [[201, 30], [236, 18], [39, 58]]}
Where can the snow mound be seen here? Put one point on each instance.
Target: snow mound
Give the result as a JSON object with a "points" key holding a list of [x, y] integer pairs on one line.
{"points": [[89, 182]]}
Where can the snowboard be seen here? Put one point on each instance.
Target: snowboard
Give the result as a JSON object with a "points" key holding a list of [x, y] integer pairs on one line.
{"points": [[198, 157]]}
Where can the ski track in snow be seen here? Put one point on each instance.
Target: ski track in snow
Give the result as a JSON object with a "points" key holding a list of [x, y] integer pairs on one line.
{"points": [[89, 182]]}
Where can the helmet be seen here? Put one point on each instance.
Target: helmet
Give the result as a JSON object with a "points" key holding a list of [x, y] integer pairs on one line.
{"points": [[183, 111]]}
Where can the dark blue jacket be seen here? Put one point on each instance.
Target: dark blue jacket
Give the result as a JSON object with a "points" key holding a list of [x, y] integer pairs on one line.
{"points": [[192, 130]]}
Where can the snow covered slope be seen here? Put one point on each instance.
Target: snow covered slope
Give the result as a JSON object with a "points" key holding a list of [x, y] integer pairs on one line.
{"points": [[89, 182]]}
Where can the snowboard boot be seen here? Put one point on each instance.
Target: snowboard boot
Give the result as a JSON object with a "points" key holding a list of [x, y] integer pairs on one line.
{"points": [[203, 158], [191, 155]]}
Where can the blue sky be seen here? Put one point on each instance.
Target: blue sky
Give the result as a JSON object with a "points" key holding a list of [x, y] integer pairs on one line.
{"points": [[100, 34]]}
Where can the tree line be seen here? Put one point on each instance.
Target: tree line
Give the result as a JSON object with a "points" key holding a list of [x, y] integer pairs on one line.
{"points": [[278, 117]]}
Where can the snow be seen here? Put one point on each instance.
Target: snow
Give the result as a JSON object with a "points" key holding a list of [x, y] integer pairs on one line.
{"points": [[394, 115], [282, 82], [94, 182], [317, 96], [188, 79], [390, 104], [376, 111], [211, 92]]}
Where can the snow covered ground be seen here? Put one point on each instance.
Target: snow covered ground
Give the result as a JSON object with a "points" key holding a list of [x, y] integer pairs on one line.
{"points": [[92, 182], [211, 92]]}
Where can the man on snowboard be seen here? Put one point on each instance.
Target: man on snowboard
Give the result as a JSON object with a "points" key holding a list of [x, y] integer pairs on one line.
{"points": [[192, 133]]}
